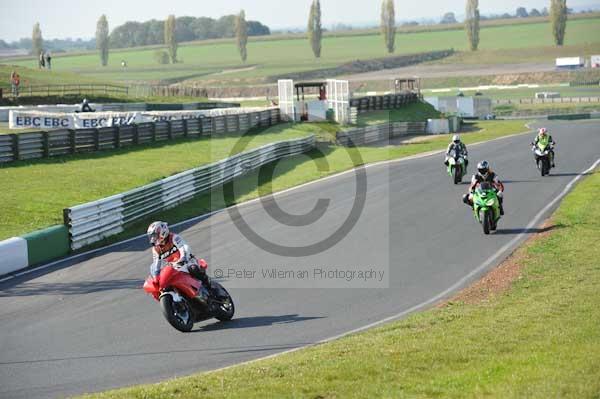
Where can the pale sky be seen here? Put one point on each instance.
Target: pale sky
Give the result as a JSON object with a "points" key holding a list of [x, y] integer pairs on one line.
{"points": [[68, 18]]}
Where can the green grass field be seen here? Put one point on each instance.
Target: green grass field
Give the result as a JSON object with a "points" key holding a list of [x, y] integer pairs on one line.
{"points": [[205, 62], [538, 339]]}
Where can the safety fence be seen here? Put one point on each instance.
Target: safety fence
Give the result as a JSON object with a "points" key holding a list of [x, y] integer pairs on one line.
{"points": [[381, 132], [389, 101], [573, 117], [559, 100], [63, 90], [94, 221], [45, 144]]}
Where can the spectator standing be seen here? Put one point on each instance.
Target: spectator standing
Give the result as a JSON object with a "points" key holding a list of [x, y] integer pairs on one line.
{"points": [[15, 81], [48, 60], [42, 62]]}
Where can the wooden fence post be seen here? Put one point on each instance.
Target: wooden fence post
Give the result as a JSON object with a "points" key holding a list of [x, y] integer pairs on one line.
{"points": [[117, 137], [97, 139], [72, 140], [46, 144], [136, 134], [15, 146]]}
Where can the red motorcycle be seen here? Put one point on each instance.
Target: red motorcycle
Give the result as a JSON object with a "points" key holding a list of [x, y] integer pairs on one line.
{"points": [[184, 301]]}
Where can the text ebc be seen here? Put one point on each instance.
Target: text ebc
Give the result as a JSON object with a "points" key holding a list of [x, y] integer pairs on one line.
{"points": [[38, 121]]}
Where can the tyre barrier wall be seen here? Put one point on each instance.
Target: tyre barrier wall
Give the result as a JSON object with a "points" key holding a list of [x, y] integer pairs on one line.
{"points": [[116, 107], [94, 221], [377, 133], [41, 246], [45, 144], [389, 101]]}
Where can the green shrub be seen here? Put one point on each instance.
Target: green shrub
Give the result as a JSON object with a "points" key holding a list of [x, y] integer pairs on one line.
{"points": [[161, 56]]}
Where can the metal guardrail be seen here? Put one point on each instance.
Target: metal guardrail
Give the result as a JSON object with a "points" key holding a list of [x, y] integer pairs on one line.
{"points": [[63, 90], [381, 132], [27, 146], [389, 101], [94, 221], [558, 100]]}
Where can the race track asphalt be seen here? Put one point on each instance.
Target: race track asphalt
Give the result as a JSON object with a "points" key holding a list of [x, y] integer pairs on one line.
{"points": [[86, 325]]}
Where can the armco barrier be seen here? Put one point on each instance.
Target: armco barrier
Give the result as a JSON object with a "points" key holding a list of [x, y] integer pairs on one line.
{"points": [[94, 221], [569, 117], [45, 245], [13, 255], [26, 146], [381, 132]]}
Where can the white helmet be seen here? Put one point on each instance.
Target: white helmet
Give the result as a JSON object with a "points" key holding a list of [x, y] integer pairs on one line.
{"points": [[157, 233], [456, 138]]}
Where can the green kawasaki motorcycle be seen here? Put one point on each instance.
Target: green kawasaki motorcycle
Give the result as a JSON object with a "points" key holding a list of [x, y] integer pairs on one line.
{"points": [[456, 166], [486, 207]]}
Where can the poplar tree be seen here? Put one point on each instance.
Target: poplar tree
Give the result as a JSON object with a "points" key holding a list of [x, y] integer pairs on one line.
{"points": [[170, 39], [315, 32], [558, 17], [472, 24], [37, 43], [241, 34], [388, 24], [102, 39]]}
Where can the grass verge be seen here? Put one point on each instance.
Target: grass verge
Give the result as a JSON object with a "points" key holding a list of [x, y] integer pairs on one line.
{"points": [[538, 339], [205, 63]]}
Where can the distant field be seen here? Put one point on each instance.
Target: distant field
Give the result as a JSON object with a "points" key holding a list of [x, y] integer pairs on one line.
{"points": [[205, 63], [516, 94]]}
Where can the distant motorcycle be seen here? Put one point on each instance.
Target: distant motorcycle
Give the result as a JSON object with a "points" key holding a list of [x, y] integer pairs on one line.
{"points": [[184, 301], [486, 207], [456, 166], [542, 157]]}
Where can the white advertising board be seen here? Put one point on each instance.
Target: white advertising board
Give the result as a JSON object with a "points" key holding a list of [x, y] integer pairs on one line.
{"points": [[54, 120]]}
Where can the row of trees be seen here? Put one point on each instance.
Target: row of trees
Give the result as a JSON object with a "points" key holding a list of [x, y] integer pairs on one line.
{"points": [[558, 19], [521, 12], [171, 38], [241, 29], [134, 34], [171, 31]]}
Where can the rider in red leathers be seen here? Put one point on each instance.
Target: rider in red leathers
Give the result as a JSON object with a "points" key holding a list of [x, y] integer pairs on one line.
{"points": [[170, 248]]}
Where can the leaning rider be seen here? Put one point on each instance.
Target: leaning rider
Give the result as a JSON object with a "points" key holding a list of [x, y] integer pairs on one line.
{"points": [[170, 248], [85, 106], [485, 174], [545, 140], [460, 147]]}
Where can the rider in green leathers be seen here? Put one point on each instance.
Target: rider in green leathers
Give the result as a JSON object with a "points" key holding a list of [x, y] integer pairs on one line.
{"points": [[545, 140], [485, 174]]}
